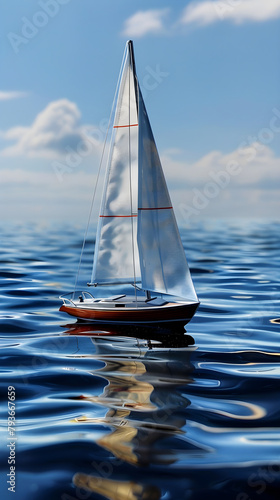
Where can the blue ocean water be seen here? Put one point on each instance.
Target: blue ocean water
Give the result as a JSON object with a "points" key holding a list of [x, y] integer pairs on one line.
{"points": [[140, 415]]}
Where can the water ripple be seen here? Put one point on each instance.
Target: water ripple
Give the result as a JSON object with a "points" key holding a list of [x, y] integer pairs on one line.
{"points": [[144, 415]]}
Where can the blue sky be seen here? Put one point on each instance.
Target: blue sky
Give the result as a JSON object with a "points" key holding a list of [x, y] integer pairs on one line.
{"points": [[210, 74]]}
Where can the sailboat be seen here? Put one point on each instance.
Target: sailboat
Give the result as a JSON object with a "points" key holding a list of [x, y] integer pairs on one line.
{"points": [[137, 242]]}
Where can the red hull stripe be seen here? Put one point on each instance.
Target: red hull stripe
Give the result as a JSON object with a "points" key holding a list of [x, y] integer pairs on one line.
{"points": [[122, 126], [155, 208], [117, 215]]}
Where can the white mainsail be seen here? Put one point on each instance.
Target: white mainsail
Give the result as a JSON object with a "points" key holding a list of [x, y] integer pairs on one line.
{"points": [[116, 258], [137, 235]]}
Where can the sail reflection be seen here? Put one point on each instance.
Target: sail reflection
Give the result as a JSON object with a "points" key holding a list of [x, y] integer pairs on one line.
{"points": [[138, 414], [116, 490]]}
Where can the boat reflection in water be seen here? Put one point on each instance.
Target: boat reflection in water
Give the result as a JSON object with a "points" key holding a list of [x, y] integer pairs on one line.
{"points": [[116, 490], [144, 410]]}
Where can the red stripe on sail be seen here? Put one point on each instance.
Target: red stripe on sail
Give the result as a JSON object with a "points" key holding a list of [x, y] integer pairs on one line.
{"points": [[121, 126]]}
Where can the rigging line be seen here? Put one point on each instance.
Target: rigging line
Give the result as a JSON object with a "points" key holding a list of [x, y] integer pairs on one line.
{"points": [[98, 174], [130, 180]]}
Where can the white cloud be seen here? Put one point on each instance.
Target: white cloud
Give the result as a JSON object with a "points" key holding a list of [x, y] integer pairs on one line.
{"points": [[244, 182], [237, 11], [202, 13], [11, 94], [257, 166], [144, 22], [54, 132]]}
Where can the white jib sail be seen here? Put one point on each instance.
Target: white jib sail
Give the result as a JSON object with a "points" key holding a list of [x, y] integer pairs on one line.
{"points": [[116, 257], [163, 262]]}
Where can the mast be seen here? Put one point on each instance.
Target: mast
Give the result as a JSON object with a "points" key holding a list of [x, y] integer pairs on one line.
{"points": [[133, 66], [134, 87]]}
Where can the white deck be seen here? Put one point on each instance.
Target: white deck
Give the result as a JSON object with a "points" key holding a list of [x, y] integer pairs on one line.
{"points": [[120, 301]]}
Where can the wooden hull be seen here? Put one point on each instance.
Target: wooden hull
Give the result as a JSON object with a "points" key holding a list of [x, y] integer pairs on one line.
{"points": [[170, 312]]}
